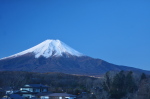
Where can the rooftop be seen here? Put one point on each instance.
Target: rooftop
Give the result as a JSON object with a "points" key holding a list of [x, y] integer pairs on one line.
{"points": [[56, 94], [34, 85]]}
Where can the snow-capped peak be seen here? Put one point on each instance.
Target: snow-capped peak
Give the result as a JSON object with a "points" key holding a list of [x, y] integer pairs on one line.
{"points": [[49, 48]]}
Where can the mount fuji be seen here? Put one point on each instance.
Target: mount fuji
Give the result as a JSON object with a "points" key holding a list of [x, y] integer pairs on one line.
{"points": [[56, 56], [49, 48]]}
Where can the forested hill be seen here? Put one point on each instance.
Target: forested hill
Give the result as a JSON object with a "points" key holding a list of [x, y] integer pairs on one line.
{"points": [[113, 85]]}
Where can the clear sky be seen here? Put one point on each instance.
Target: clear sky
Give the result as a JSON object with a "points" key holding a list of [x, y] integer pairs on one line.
{"points": [[117, 31]]}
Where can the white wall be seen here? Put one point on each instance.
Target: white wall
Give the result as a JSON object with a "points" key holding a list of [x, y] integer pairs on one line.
{"points": [[27, 95], [60, 97], [28, 89], [70, 97], [44, 97]]}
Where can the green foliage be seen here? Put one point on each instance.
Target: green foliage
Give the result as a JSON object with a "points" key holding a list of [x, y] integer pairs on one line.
{"points": [[143, 76], [57, 82], [120, 85], [117, 90], [107, 82], [130, 85], [113, 86]]}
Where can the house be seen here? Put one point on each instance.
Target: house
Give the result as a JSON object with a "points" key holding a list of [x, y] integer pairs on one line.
{"points": [[30, 90], [13, 96], [56, 96], [36, 91], [8, 90]]}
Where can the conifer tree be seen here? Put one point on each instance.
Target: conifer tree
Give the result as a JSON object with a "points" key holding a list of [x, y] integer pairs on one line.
{"points": [[143, 76], [117, 89], [130, 85]]}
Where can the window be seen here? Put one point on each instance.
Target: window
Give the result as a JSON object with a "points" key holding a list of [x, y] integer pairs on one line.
{"points": [[44, 90], [37, 90], [44, 97]]}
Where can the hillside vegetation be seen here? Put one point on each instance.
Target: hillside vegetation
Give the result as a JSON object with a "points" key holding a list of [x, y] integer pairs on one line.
{"points": [[113, 85]]}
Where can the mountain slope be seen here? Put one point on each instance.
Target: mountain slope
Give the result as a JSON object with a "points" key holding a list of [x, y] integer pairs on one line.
{"points": [[55, 56], [49, 48], [72, 65]]}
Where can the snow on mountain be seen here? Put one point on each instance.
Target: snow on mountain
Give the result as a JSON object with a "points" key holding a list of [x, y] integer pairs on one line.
{"points": [[49, 48]]}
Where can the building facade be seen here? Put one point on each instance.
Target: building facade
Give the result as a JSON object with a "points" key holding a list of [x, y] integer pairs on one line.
{"points": [[30, 90]]}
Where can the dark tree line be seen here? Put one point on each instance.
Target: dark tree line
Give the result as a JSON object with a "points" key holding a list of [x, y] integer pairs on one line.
{"points": [[127, 85], [120, 85], [113, 85], [57, 82]]}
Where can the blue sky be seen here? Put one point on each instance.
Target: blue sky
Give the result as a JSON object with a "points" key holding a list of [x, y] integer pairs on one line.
{"points": [[117, 31]]}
